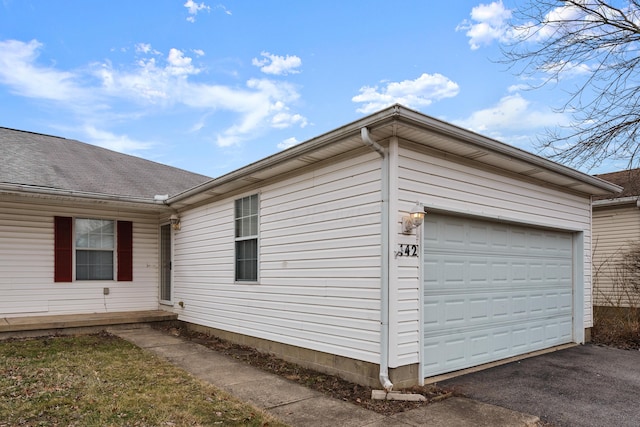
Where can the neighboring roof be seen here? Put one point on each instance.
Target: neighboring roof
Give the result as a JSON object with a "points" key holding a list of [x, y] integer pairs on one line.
{"points": [[54, 165], [629, 180], [410, 125]]}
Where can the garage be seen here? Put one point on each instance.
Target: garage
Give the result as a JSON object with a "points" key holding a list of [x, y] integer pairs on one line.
{"points": [[492, 290]]}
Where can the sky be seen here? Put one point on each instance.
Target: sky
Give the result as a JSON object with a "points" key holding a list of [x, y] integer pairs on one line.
{"points": [[212, 86]]}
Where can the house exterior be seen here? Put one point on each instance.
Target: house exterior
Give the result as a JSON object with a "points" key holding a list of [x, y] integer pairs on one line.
{"points": [[616, 232], [51, 186], [310, 253]]}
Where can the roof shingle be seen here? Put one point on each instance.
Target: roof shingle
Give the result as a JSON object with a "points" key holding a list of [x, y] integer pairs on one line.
{"points": [[64, 164], [628, 179]]}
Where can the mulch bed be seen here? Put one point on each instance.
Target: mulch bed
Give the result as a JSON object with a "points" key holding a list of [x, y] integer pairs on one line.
{"points": [[329, 385]]}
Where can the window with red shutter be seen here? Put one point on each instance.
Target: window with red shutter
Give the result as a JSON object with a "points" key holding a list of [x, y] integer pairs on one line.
{"points": [[125, 251], [63, 249], [94, 249]]}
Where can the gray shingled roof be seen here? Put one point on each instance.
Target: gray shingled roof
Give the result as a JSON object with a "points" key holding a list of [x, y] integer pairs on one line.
{"points": [[628, 179], [64, 164]]}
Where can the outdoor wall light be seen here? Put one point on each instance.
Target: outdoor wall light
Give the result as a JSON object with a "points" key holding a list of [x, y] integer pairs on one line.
{"points": [[414, 220], [175, 221]]}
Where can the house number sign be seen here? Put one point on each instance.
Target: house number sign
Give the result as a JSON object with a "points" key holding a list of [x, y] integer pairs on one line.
{"points": [[407, 251]]}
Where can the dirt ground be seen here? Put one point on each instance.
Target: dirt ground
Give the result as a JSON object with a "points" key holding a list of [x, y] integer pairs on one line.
{"points": [[329, 385], [337, 388]]}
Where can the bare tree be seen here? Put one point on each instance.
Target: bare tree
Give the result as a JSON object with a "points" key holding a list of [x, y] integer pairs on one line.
{"points": [[601, 40]]}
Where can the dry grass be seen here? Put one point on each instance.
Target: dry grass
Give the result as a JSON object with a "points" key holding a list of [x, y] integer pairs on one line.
{"points": [[101, 380], [617, 327]]}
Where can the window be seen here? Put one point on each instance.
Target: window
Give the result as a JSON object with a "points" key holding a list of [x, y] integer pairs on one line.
{"points": [[246, 225], [99, 245], [95, 242]]}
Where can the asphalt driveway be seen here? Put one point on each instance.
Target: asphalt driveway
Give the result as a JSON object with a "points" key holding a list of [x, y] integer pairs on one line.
{"points": [[581, 386]]}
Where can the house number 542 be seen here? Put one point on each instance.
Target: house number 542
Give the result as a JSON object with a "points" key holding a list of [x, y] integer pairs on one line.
{"points": [[408, 250]]}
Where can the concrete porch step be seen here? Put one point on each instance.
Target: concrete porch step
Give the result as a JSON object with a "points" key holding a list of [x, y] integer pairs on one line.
{"points": [[70, 321]]}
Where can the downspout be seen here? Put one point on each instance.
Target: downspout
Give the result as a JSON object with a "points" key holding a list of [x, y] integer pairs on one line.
{"points": [[384, 262]]}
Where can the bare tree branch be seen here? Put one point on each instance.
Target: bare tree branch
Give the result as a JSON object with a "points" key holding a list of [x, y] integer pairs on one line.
{"points": [[601, 41]]}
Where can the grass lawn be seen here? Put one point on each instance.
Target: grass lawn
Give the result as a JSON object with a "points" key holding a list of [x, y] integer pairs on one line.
{"points": [[101, 380]]}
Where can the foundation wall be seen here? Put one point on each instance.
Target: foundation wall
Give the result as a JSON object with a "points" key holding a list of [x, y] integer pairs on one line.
{"points": [[357, 371]]}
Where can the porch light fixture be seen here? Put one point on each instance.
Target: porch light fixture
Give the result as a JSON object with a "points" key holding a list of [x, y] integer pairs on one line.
{"points": [[414, 220], [175, 221]]}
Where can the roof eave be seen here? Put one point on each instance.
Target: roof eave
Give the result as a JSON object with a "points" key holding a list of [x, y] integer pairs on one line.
{"points": [[56, 193], [508, 150], [296, 151], [619, 201], [399, 114]]}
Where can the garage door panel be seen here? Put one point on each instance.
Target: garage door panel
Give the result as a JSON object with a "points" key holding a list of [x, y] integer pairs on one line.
{"points": [[445, 315], [461, 350], [468, 270], [492, 291]]}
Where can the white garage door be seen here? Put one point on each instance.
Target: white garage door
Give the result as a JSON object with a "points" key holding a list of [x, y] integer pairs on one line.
{"points": [[492, 291]]}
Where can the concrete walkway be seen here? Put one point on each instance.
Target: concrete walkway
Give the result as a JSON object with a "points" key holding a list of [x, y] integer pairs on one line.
{"points": [[297, 405]]}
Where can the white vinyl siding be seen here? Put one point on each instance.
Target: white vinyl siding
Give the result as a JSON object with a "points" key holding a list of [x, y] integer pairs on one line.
{"points": [[319, 262], [462, 187], [26, 262], [614, 229]]}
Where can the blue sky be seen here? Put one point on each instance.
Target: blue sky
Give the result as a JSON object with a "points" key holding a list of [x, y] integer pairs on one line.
{"points": [[212, 86]]}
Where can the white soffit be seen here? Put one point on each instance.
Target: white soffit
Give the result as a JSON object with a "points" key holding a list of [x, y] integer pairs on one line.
{"points": [[406, 124]]}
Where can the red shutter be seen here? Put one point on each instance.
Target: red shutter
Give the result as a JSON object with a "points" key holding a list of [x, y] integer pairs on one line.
{"points": [[125, 251], [63, 249]]}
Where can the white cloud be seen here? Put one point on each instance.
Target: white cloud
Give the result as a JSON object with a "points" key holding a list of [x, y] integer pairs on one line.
{"points": [[263, 104], [517, 87], [194, 8], [284, 120], [198, 52], [567, 69], [288, 143], [488, 22], [152, 81], [512, 113], [19, 71], [143, 47], [417, 93], [121, 143], [277, 65], [556, 18], [224, 9], [180, 64], [150, 87], [146, 49]]}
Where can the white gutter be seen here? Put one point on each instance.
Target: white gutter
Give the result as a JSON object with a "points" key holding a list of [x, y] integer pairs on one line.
{"points": [[402, 116], [485, 142], [617, 201], [384, 262], [21, 189]]}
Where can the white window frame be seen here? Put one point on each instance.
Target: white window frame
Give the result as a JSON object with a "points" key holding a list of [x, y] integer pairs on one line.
{"points": [[89, 249], [243, 235]]}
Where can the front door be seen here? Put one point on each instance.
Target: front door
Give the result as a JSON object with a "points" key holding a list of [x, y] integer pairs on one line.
{"points": [[165, 263]]}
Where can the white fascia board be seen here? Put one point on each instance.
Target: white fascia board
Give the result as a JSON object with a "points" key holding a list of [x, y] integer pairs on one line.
{"points": [[60, 194], [507, 150], [292, 153], [399, 114], [615, 202]]}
